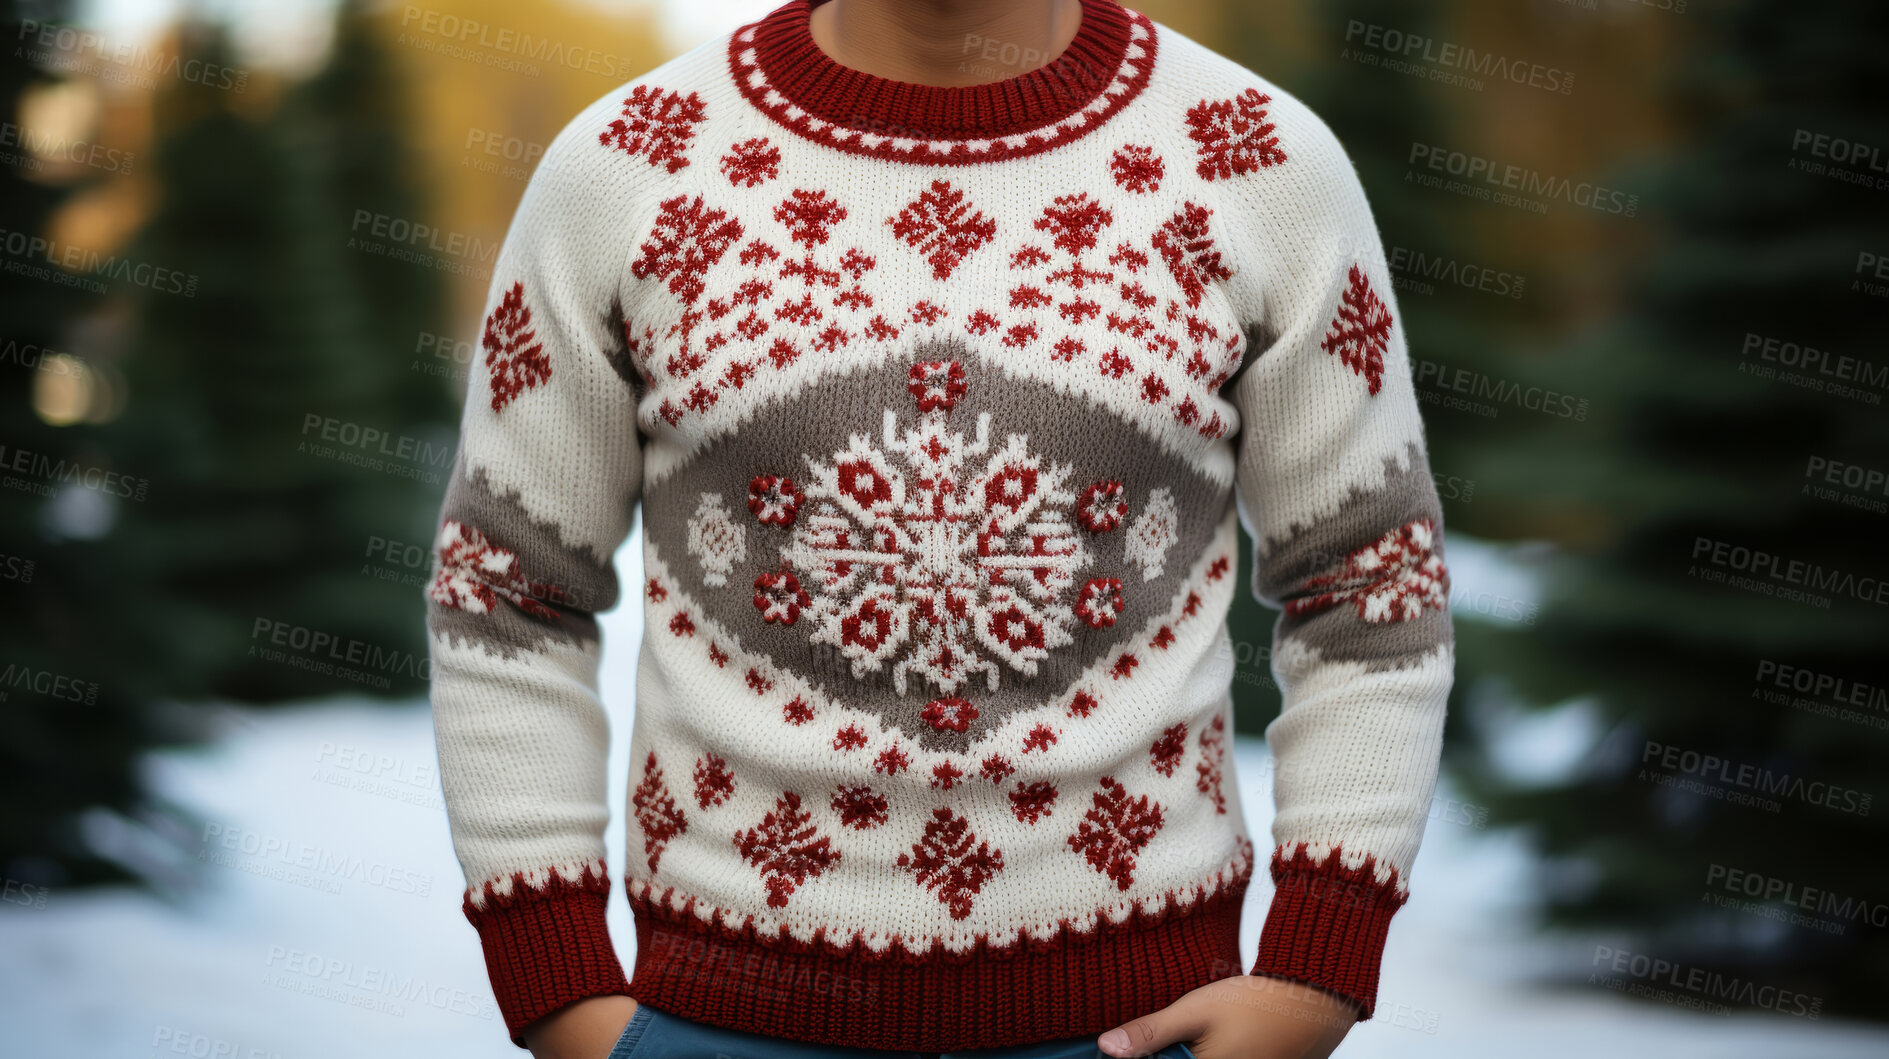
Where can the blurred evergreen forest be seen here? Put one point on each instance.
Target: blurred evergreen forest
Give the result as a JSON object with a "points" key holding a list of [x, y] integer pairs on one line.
{"points": [[242, 534]]}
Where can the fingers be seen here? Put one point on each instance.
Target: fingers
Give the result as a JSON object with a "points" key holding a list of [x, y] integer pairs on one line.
{"points": [[1152, 1032]]}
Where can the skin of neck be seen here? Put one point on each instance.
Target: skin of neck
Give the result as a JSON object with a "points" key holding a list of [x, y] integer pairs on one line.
{"points": [[949, 43]]}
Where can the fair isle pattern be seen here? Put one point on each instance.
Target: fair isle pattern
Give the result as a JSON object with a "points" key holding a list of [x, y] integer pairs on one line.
{"points": [[940, 422]]}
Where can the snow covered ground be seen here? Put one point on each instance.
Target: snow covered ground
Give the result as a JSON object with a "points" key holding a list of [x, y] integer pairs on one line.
{"points": [[260, 950]]}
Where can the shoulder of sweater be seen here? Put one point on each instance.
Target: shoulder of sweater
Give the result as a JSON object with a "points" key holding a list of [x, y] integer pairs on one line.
{"points": [[582, 171], [1197, 74]]}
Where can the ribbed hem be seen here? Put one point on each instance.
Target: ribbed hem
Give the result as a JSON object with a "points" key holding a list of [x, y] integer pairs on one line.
{"points": [[1327, 925], [545, 949], [809, 78], [1074, 986]]}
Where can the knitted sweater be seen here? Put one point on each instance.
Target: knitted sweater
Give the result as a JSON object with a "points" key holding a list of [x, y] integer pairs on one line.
{"points": [[944, 406]]}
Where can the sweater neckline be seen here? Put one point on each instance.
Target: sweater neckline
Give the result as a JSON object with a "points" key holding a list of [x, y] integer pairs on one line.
{"points": [[780, 68]]}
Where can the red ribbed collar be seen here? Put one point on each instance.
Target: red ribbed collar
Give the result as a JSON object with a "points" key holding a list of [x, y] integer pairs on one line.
{"points": [[782, 71]]}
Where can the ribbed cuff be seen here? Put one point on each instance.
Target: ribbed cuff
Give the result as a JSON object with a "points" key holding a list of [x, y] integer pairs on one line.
{"points": [[1327, 924], [547, 948]]}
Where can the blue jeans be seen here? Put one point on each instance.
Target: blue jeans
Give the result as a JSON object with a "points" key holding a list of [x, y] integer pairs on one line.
{"points": [[653, 1034]]}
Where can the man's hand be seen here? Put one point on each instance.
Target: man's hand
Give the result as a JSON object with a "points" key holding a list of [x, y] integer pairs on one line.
{"points": [[1244, 1017], [587, 1029]]}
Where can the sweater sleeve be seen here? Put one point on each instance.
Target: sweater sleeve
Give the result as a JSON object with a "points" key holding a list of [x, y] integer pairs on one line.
{"points": [[542, 493], [1333, 484]]}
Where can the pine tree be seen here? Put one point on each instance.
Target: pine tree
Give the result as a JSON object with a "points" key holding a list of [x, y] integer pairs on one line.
{"points": [[1702, 444]]}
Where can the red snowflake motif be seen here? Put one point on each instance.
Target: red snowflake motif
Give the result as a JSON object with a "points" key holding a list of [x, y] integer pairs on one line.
{"points": [[779, 597], [757, 683], [774, 500], [1124, 666], [1041, 737], [714, 782], [1074, 221], [716, 654], [849, 738], [1114, 831], [1082, 704], [1067, 348], [1360, 333], [1020, 335], [996, 768], [1103, 507], [787, 848], [1166, 751], [799, 711], [981, 322], [656, 812], [655, 590], [1134, 259], [474, 574], [1029, 255], [1101, 601], [1234, 135], [1163, 637], [1219, 567], [949, 714], [924, 312], [1392, 579], [1185, 243], [892, 761], [809, 216], [1032, 801], [681, 624], [861, 808], [751, 162], [936, 384], [1213, 749], [945, 775], [1153, 388], [514, 358], [944, 862], [942, 227], [655, 124], [688, 238], [1137, 169]]}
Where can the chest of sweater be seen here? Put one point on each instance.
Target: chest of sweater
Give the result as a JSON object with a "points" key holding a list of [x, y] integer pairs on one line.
{"points": [[937, 434]]}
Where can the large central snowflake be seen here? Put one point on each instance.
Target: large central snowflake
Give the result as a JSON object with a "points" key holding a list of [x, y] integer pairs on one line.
{"points": [[938, 555]]}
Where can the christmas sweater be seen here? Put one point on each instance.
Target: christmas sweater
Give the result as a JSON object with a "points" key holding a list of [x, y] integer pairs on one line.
{"points": [[944, 407]]}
